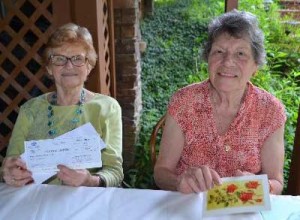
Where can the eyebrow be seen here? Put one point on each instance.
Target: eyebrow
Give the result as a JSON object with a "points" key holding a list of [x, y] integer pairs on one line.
{"points": [[242, 47], [67, 56]]}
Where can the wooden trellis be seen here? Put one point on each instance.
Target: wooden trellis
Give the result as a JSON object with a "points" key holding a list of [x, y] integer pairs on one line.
{"points": [[25, 26]]}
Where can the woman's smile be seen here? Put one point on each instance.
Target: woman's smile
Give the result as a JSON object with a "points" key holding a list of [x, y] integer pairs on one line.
{"points": [[69, 74], [227, 75]]}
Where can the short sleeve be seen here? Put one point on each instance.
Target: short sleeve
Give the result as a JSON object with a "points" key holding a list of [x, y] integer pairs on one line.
{"points": [[176, 103], [274, 117]]}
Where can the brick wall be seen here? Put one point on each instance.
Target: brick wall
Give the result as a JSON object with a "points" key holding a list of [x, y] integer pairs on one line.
{"points": [[128, 71]]}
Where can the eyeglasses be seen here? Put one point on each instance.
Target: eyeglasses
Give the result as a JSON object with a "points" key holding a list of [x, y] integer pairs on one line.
{"points": [[61, 60]]}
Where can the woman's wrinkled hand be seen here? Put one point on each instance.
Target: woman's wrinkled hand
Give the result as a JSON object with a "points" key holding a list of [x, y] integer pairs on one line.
{"points": [[198, 179], [72, 177], [15, 172]]}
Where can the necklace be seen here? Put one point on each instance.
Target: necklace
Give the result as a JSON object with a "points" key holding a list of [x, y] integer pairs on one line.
{"points": [[74, 121]]}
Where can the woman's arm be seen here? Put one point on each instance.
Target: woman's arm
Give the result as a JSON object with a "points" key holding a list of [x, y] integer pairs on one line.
{"points": [[112, 170], [171, 147], [14, 169], [272, 157], [194, 179]]}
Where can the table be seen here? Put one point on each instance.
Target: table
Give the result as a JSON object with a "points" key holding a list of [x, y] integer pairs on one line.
{"points": [[283, 207], [47, 202]]}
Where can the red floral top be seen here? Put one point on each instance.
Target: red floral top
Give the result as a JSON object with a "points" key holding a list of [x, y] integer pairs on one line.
{"points": [[239, 148]]}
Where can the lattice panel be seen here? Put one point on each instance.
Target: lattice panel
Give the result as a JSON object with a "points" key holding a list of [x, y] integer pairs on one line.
{"points": [[106, 47], [25, 26]]}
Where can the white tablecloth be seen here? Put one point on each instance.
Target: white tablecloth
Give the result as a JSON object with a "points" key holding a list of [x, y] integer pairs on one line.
{"points": [[283, 208], [47, 202]]}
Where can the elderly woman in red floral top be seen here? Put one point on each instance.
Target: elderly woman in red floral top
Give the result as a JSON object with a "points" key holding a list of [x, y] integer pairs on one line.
{"points": [[224, 126]]}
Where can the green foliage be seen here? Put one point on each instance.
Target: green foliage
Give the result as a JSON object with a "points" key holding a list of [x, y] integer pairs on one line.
{"points": [[173, 42], [287, 90], [174, 35], [203, 11]]}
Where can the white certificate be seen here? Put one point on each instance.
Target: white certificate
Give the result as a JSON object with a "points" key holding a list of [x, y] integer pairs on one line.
{"points": [[77, 149], [76, 153]]}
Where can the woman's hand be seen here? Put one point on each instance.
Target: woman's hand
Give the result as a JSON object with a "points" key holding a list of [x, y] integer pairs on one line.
{"points": [[15, 172], [73, 177], [198, 179]]}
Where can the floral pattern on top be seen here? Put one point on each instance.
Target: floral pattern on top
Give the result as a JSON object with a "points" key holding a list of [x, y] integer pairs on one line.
{"points": [[259, 116]]}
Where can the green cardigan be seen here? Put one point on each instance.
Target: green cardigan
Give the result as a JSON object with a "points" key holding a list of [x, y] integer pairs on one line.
{"points": [[102, 111]]}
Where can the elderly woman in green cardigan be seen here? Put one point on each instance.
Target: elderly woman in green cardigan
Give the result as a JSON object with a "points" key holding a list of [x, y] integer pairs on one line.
{"points": [[69, 56]]}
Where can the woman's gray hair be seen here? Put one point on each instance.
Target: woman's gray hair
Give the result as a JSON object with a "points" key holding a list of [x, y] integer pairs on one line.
{"points": [[72, 33], [239, 24]]}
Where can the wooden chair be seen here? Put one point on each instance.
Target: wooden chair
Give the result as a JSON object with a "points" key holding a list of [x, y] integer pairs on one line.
{"points": [[156, 131], [293, 187]]}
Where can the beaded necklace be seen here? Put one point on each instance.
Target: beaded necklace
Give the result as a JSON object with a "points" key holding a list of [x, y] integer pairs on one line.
{"points": [[74, 121]]}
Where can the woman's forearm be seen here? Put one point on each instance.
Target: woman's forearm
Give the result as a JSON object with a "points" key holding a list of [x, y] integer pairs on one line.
{"points": [[165, 179]]}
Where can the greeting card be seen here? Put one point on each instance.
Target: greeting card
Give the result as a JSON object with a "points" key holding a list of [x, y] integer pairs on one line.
{"points": [[238, 195]]}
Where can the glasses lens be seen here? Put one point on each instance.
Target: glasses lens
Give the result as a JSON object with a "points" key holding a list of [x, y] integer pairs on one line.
{"points": [[59, 60], [78, 60]]}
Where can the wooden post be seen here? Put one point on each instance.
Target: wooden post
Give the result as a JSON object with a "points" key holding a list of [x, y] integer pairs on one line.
{"points": [[111, 23], [83, 14], [230, 5], [148, 7], [61, 18], [293, 187]]}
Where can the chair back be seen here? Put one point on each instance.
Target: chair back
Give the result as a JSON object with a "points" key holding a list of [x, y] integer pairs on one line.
{"points": [[293, 187], [157, 129]]}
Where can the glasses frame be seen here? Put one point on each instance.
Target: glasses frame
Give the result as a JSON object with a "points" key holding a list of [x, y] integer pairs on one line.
{"points": [[68, 59]]}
